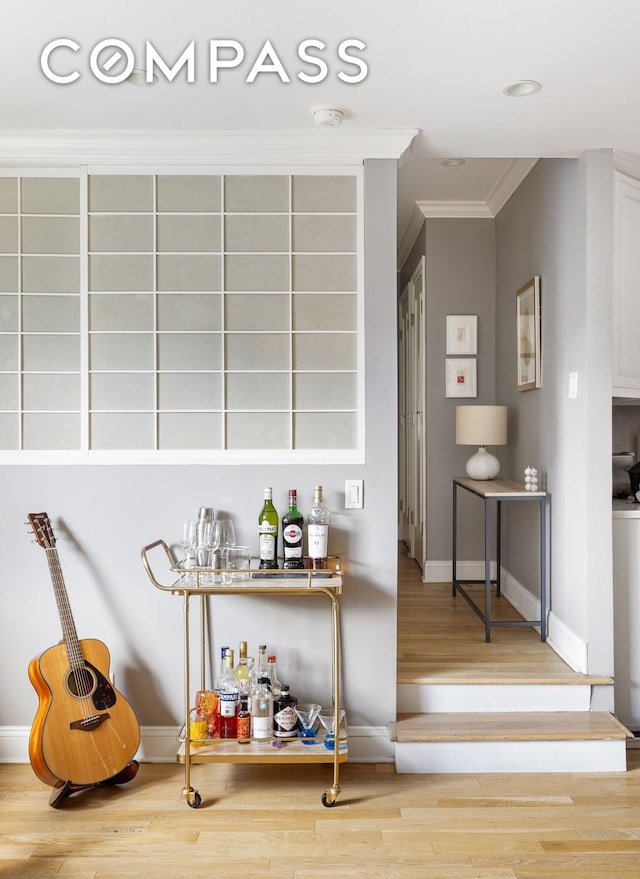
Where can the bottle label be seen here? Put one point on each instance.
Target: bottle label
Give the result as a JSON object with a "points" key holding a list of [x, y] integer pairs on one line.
{"points": [[228, 704], [262, 727], [285, 723], [292, 533], [317, 538], [267, 546], [244, 726]]}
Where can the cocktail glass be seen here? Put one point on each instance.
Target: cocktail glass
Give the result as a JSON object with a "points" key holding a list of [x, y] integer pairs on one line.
{"points": [[307, 714], [327, 717]]}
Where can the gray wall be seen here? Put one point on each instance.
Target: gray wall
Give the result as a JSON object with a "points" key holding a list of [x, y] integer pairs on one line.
{"points": [[558, 225], [460, 279], [104, 514]]}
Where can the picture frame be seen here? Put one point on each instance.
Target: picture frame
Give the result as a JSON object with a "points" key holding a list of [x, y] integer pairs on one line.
{"points": [[528, 335], [461, 377], [462, 334]]}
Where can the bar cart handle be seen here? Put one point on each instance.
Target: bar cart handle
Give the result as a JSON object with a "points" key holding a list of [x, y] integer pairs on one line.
{"points": [[145, 560]]}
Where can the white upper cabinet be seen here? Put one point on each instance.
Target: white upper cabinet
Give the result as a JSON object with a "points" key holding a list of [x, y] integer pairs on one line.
{"points": [[626, 287]]}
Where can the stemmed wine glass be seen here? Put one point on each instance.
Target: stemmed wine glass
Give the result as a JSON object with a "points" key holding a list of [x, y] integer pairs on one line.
{"points": [[188, 542], [211, 541], [227, 532]]}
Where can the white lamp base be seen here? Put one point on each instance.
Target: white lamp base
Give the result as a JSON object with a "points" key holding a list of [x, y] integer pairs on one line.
{"points": [[483, 465]]}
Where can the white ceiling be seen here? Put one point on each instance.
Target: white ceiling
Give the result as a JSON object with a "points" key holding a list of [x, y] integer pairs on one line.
{"points": [[433, 65]]}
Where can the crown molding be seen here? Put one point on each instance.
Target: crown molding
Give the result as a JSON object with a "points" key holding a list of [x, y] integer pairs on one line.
{"points": [[500, 193], [203, 147]]}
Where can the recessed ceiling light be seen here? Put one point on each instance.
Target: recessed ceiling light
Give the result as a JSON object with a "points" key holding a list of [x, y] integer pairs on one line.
{"points": [[521, 88], [138, 76], [452, 163]]}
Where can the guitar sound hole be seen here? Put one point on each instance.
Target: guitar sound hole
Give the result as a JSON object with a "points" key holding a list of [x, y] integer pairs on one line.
{"points": [[81, 682]]}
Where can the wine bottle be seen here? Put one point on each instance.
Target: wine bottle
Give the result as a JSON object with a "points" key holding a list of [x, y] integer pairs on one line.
{"points": [[318, 532], [292, 522], [268, 533]]}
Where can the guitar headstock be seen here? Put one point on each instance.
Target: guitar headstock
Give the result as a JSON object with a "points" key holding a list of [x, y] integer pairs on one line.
{"points": [[42, 529]]}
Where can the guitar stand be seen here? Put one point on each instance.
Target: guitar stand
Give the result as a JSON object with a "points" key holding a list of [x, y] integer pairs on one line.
{"points": [[60, 793]]}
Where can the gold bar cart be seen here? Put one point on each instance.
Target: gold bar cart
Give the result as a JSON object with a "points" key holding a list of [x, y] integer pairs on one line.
{"points": [[194, 583]]}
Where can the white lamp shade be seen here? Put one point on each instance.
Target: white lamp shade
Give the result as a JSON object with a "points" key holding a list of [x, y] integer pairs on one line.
{"points": [[481, 425]]}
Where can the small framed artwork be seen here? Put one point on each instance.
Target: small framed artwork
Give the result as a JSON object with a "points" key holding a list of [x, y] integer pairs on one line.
{"points": [[528, 335], [462, 334], [461, 377]]}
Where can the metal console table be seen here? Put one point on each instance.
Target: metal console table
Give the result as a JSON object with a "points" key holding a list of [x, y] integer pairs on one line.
{"points": [[497, 491], [326, 583]]}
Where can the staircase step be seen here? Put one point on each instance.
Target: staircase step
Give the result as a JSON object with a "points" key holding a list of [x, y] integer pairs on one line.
{"points": [[555, 741], [516, 726]]}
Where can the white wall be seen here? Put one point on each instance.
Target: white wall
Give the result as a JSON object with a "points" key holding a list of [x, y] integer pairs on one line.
{"points": [[104, 514]]}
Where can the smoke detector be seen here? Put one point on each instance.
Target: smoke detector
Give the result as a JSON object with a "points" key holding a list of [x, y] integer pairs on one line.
{"points": [[327, 115]]}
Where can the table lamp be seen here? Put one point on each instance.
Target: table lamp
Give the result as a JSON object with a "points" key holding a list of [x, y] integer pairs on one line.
{"points": [[481, 426]]}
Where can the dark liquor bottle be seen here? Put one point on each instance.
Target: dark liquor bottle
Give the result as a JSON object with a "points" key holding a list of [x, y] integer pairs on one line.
{"points": [[268, 532], [292, 522], [285, 719]]}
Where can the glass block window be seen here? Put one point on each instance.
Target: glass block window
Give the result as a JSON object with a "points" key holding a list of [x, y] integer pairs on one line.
{"points": [[167, 313], [40, 305]]}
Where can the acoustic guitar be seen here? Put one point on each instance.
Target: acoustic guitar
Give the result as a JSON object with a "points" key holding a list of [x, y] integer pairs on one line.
{"points": [[84, 732]]}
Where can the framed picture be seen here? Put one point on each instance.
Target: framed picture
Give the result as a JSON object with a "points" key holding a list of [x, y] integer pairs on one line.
{"points": [[528, 335], [462, 334], [461, 377]]}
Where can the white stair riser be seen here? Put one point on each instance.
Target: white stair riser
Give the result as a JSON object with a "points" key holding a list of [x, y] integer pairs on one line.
{"points": [[435, 698], [532, 756]]}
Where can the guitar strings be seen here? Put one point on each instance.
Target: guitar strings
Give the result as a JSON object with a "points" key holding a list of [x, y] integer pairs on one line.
{"points": [[81, 675]]}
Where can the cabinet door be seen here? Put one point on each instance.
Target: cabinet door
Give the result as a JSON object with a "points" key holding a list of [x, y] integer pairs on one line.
{"points": [[626, 287]]}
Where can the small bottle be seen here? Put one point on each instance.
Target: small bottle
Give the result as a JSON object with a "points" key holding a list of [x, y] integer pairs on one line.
{"points": [[292, 522], [272, 674], [261, 711], [318, 532], [268, 533], [244, 720], [285, 719], [229, 700]]}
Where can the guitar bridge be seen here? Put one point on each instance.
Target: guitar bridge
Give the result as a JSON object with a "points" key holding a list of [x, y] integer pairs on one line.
{"points": [[89, 723]]}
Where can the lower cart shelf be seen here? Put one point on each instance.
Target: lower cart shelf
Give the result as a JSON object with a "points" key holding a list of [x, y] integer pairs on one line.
{"points": [[254, 751]]}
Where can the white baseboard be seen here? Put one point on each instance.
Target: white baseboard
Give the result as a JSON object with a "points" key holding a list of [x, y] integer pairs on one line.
{"points": [[158, 744], [442, 571]]}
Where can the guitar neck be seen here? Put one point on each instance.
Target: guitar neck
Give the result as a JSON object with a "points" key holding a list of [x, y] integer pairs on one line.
{"points": [[72, 644]]}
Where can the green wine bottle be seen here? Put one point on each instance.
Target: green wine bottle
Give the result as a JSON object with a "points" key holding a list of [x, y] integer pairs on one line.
{"points": [[268, 533]]}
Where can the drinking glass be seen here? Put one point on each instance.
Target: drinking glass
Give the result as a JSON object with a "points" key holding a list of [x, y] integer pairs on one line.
{"points": [[227, 532], [188, 541], [307, 714], [327, 717], [215, 557]]}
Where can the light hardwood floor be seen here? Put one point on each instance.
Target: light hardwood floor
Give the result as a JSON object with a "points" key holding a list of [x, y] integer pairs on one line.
{"points": [[265, 822]]}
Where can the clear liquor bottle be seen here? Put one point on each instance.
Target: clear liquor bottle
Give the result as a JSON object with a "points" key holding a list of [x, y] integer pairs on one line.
{"points": [[318, 532], [241, 671], [261, 710], [292, 523], [272, 674], [268, 533], [229, 701]]}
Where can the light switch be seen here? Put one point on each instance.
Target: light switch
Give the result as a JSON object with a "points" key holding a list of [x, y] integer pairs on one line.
{"points": [[353, 494], [573, 385]]}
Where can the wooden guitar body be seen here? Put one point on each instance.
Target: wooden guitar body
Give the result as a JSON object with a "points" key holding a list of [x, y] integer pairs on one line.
{"points": [[84, 731]]}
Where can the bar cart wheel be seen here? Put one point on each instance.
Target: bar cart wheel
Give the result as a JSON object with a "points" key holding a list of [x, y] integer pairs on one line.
{"points": [[330, 797], [192, 797]]}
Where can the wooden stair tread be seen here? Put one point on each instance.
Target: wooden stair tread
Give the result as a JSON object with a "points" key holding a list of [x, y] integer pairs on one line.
{"points": [[517, 726], [446, 674]]}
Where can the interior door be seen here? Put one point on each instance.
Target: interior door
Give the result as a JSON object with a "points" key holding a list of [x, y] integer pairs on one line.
{"points": [[411, 401], [418, 360]]}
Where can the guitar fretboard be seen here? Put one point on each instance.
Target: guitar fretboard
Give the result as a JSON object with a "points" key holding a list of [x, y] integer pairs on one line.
{"points": [[72, 645]]}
